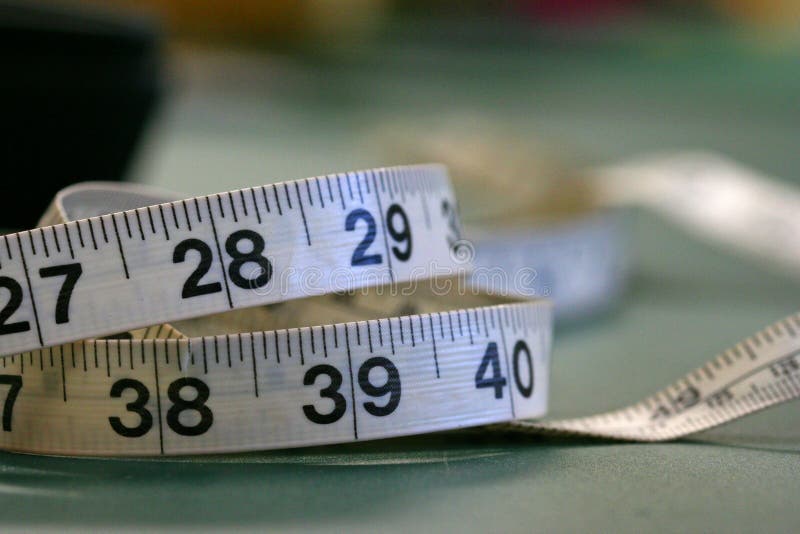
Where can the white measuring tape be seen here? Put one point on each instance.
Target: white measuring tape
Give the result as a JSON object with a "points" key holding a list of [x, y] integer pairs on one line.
{"points": [[165, 262], [581, 264], [449, 360]]}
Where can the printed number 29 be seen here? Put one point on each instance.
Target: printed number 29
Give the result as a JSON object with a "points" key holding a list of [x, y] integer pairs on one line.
{"points": [[398, 227]]}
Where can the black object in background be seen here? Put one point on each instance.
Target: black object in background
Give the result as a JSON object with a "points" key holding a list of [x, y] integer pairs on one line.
{"points": [[77, 86]]}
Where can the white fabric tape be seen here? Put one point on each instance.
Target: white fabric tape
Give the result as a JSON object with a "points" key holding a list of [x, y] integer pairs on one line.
{"points": [[366, 365]]}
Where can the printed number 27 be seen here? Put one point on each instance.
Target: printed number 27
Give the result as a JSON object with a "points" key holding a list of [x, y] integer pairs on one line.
{"points": [[72, 271]]}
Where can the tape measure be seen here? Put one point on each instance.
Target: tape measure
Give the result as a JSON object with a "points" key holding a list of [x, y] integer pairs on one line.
{"points": [[364, 359], [580, 264], [165, 262]]}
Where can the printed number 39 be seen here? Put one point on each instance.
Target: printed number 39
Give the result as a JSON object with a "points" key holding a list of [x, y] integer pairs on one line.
{"points": [[391, 387]]}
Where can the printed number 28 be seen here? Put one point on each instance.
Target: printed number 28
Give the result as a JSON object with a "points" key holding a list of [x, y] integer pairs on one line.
{"points": [[192, 286]]}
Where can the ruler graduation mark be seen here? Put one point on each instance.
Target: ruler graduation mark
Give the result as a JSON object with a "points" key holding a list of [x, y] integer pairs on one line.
{"points": [[302, 212]]}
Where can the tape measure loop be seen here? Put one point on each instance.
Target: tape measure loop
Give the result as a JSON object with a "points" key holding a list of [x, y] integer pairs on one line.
{"points": [[285, 333]]}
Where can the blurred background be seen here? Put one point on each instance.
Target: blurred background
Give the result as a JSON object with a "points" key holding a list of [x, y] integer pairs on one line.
{"points": [[201, 96]]}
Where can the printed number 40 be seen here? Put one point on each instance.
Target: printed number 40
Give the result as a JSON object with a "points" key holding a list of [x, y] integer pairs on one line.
{"points": [[496, 380]]}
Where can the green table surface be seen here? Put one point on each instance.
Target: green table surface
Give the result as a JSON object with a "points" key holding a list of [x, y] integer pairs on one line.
{"points": [[234, 121]]}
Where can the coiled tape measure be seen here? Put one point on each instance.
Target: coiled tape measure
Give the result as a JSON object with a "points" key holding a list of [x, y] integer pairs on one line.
{"points": [[388, 337]]}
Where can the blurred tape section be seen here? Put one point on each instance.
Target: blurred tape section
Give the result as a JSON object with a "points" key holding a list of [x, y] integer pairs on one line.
{"points": [[536, 225], [713, 197], [543, 228]]}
